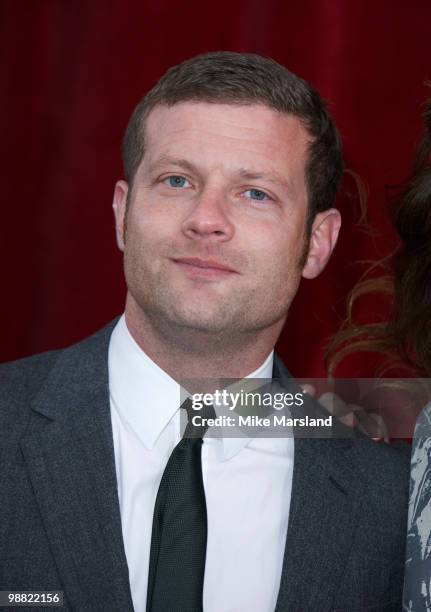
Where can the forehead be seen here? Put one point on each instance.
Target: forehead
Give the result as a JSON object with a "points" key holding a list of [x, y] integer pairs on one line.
{"points": [[227, 135]]}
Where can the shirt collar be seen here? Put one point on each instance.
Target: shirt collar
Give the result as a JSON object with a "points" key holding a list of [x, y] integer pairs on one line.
{"points": [[232, 446], [147, 397]]}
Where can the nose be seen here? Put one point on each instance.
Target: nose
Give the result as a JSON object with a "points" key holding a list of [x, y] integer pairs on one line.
{"points": [[209, 220]]}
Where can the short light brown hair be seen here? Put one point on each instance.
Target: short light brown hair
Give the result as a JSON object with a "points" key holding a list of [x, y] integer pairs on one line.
{"points": [[226, 77]]}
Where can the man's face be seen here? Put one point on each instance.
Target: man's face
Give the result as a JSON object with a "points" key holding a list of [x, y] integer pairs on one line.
{"points": [[215, 227]]}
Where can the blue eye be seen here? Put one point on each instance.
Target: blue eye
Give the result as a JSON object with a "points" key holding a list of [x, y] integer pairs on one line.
{"points": [[176, 181], [257, 194]]}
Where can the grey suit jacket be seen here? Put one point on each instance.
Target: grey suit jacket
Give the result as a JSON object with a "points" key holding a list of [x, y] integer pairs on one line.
{"points": [[60, 526]]}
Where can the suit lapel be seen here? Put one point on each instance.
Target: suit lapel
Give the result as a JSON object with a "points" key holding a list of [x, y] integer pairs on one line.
{"points": [[326, 498], [325, 501], [69, 453]]}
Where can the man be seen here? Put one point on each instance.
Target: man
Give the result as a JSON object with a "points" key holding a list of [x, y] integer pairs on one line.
{"points": [[232, 165]]}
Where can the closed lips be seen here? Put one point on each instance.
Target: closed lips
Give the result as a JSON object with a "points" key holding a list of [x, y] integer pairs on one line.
{"points": [[206, 264]]}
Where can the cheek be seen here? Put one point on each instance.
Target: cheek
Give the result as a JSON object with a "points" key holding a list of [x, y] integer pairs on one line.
{"points": [[276, 257], [274, 247], [149, 227]]}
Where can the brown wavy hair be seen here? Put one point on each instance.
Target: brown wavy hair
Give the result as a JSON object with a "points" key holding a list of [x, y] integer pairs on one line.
{"points": [[407, 333]]}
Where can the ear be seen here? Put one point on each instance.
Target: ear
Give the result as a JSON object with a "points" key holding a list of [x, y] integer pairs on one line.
{"points": [[324, 234], [119, 205]]}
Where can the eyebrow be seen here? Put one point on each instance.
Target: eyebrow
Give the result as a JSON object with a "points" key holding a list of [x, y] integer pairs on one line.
{"points": [[272, 177], [165, 160]]}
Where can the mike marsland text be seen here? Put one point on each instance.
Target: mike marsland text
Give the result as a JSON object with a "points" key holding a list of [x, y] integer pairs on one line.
{"points": [[274, 420]]}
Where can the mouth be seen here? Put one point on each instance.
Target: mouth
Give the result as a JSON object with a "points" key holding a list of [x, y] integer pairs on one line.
{"points": [[204, 268]]}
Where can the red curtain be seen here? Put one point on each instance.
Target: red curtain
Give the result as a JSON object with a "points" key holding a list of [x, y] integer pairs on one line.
{"points": [[73, 70]]}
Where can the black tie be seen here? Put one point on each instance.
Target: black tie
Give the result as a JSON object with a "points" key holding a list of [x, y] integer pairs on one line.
{"points": [[179, 536]]}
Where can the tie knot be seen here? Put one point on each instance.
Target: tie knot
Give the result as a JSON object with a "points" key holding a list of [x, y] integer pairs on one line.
{"points": [[197, 420]]}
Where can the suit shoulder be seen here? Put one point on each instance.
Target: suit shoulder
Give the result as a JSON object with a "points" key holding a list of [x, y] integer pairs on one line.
{"points": [[21, 380], [385, 469], [23, 377], [375, 457]]}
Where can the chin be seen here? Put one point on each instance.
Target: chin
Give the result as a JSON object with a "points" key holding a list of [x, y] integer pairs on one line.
{"points": [[200, 323]]}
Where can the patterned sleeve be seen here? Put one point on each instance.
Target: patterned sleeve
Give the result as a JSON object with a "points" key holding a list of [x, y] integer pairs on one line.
{"points": [[417, 582]]}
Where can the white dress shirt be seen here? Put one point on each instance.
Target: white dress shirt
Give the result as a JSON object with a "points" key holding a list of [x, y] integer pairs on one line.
{"points": [[247, 485]]}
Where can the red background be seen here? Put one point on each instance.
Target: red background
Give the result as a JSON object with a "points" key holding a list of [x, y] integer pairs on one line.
{"points": [[73, 70]]}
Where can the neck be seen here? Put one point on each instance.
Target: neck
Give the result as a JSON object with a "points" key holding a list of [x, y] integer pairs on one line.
{"points": [[185, 353]]}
